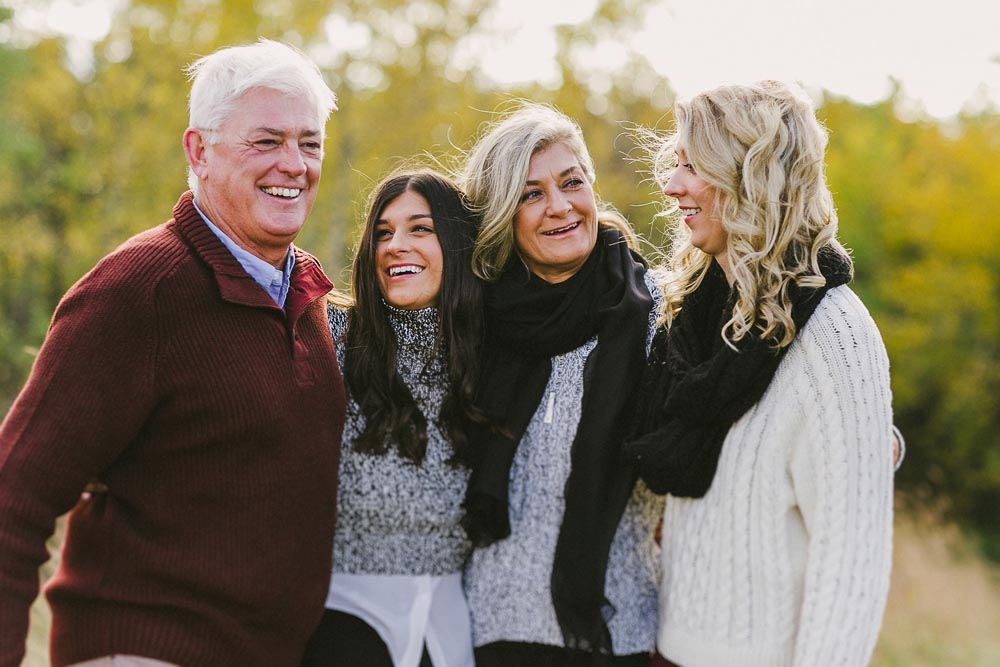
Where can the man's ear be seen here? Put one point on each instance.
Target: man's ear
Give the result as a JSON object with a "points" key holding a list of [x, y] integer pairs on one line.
{"points": [[195, 148]]}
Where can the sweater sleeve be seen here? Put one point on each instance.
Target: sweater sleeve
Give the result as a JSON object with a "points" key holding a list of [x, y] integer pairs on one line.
{"points": [[841, 469], [85, 399]]}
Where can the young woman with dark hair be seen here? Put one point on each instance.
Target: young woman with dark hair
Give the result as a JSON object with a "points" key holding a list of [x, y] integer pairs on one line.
{"points": [[408, 346]]}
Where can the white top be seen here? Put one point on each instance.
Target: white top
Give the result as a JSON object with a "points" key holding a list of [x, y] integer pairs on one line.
{"points": [[399, 548], [786, 559], [408, 610]]}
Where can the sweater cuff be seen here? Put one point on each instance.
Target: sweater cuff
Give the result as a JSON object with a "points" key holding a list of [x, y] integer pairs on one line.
{"points": [[898, 435]]}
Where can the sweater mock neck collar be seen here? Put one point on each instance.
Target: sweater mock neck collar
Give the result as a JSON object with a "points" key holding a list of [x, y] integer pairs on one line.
{"points": [[308, 282], [416, 338]]}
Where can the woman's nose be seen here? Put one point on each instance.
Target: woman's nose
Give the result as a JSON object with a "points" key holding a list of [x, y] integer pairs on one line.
{"points": [[559, 204], [674, 186]]}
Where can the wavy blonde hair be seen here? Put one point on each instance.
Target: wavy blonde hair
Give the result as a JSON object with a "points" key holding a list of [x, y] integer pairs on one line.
{"points": [[762, 149], [496, 167]]}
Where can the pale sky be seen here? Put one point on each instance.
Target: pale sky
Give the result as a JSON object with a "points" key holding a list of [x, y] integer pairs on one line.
{"points": [[945, 54]]}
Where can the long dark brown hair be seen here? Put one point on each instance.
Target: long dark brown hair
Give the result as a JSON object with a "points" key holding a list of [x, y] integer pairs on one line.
{"points": [[371, 345]]}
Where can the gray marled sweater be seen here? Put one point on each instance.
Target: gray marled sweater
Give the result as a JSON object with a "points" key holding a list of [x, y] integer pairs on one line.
{"points": [[507, 583], [393, 516]]}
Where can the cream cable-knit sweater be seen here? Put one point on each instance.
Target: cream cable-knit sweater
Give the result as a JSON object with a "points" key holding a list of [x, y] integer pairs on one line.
{"points": [[786, 559]]}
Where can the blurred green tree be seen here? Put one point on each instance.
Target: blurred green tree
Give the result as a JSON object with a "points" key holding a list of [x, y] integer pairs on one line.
{"points": [[91, 155], [919, 204]]}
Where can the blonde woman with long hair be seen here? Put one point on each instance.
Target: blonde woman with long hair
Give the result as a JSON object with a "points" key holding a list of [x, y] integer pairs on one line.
{"points": [[765, 413]]}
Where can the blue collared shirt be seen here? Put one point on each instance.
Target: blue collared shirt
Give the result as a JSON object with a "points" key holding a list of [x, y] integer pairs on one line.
{"points": [[274, 281]]}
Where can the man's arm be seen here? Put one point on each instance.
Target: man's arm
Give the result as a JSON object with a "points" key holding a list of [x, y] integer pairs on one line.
{"points": [[86, 397]]}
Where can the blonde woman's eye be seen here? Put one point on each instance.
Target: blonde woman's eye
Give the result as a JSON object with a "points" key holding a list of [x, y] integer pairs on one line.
{"points": [[531, 194]]}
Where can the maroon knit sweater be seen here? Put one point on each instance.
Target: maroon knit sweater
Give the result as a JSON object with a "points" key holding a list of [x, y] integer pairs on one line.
{"points": [[213, 418]]}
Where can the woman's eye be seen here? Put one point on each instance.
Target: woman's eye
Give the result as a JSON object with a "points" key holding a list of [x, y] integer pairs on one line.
{"points": [[531, 195], [266, 143], [382, 234], [573, 183], [424, 229], [689, 167]]}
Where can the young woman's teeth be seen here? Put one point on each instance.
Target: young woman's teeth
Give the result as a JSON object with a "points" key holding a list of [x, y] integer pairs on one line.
{"points": [[399, 270], [691, 211], [288, 193]]}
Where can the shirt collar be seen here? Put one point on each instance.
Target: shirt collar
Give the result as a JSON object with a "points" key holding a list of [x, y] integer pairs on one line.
{"points": [[275, 282]]}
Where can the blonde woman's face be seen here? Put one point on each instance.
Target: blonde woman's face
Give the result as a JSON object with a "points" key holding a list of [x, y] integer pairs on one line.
{"points": [[696, 201], [555, 228]]}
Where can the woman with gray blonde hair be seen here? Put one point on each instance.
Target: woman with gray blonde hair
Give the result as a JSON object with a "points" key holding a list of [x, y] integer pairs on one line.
{"points": [[564, 572], [765, 413]]}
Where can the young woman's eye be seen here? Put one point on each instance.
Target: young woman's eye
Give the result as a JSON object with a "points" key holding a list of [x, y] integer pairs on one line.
{"points": [[382, 234], [689, 167], [424, 229]]}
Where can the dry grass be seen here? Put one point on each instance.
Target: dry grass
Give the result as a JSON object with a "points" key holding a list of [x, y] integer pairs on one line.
{"points": [[944, 605]]}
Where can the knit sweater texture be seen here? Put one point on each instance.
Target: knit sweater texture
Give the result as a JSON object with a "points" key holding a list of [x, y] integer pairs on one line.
{"points": [[508, 583], [206, 413], [396, 516], [785, 561]]}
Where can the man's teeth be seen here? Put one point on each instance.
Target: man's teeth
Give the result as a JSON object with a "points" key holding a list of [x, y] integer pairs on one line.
{"points": [[561, 229], [399, 270], [283, 192]]}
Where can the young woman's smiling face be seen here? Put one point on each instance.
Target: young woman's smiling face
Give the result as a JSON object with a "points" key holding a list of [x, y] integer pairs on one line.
{"points": [[696, 201], [408, 253], [555, 229]]}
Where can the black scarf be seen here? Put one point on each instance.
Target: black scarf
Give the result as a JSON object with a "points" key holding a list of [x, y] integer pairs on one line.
{"points": [[530, 321], [695, 386]]}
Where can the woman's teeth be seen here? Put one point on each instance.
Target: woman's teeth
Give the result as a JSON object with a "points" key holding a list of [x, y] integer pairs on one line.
{"points": [[561, 230], [399, 270]]}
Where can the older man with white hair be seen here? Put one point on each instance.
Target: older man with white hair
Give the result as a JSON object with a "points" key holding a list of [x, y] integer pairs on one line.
{"points": [[186, 407]]}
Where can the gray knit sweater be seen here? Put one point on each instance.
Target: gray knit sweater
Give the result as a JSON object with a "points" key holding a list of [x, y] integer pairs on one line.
{"points": [[393, 516], [507, 583]]}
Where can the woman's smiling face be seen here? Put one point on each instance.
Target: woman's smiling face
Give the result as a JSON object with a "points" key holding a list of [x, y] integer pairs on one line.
{"points": [[408, 253], [555, 228], [696, 202]]}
